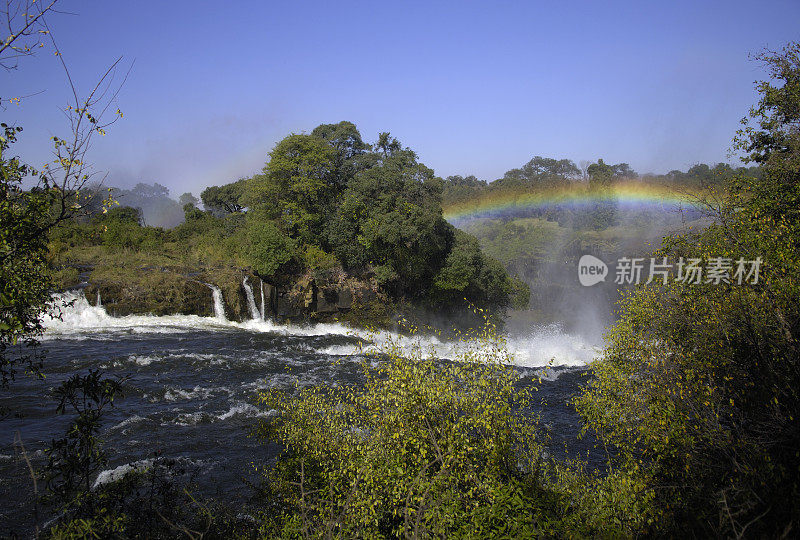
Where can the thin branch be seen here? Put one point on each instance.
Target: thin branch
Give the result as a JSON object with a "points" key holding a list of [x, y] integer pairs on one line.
{"points": [[18, 442]]}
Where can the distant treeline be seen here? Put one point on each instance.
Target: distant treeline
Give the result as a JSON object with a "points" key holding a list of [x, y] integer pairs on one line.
{"points": [[543, 172], [158, 209]]}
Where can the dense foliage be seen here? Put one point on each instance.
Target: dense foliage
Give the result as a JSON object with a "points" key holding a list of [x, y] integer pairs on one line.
{"points": [[374, 210], [24, 280], [430, 449], [325, 205], [698, 391], [420, 449]]}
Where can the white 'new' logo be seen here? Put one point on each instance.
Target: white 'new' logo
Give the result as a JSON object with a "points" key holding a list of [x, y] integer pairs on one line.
{"points": [[591, 270]]}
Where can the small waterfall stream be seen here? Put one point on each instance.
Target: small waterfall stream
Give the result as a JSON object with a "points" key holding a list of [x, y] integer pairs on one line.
{"points": [[219, 306], [263, 307], [251, 301], [98, 303]]}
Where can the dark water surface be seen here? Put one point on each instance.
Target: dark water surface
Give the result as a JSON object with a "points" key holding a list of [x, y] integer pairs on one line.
{"points": [[191, 393]]}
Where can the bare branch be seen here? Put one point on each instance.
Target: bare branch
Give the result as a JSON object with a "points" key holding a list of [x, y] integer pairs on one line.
{"points": [[13, 11]]}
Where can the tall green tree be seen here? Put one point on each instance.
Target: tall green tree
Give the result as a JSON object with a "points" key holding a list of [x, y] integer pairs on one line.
{"points": [[28, 215], [223, 200], [390, 216], [351, 151], [540, 172], [24, 279], [297, 186]]}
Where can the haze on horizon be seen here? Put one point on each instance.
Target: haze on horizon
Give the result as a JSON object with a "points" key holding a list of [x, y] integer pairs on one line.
{"points": [[472, 88]]}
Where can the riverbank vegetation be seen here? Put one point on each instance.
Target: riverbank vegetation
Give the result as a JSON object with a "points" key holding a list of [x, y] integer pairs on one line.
{"points": [[327, 206], [694, 402]]}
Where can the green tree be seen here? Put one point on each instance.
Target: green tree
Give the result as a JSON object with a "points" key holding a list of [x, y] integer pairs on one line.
{"points": [[421, 449], [188, 198], [297, 186], [600, 174], [267, 246], [351, 151], [223, 200], [387, 144], [390, 216], [28, 216], [539, 172], [469, 274], [24, 281]]}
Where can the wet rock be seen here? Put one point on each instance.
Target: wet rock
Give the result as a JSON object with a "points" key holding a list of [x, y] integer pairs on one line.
{"points": [[327, 301], [345, 298]]}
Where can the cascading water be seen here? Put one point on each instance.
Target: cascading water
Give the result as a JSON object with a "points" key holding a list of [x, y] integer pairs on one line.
{"points": [[98, 303], [219, 306], [263, 308], [251, 301], [544, 346]]}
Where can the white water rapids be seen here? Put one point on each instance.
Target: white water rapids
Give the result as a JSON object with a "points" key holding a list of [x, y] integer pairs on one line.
{"points": [[544, 345]]}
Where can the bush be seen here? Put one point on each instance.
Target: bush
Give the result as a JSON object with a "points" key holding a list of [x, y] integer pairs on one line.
{"points": [[320, 264], [268, 247], [698, 390], [422, 448]]}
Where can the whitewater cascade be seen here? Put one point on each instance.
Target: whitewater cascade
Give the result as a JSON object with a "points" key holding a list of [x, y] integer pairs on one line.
{"points": [[263, 308], [542, 346], [251, 301], [219, 306], [98, 303]]}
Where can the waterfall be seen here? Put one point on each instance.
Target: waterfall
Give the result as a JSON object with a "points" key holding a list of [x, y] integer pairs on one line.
{"points": [[251, 301], [263, 307], [219, 306], [98, 303]]}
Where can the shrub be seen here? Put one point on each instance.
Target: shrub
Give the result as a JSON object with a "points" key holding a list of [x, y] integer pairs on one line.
{"points": [[319, 263], [422, 448], [268, 247]]}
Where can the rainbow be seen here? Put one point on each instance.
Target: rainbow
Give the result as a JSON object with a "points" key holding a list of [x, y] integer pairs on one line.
{"points": [[630, 195]]}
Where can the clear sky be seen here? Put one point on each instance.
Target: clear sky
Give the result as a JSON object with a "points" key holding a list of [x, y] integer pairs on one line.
{"points": [[473, 87]]}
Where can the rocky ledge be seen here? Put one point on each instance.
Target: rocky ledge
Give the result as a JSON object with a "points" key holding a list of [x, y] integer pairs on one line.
{"points": [[124, 290]]}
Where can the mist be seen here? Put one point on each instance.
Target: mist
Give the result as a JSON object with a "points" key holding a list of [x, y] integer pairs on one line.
{"points": [[542, 244]]}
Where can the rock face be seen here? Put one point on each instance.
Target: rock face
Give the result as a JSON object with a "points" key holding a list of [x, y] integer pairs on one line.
{"points": [[170, 297], [167, 291], [307, 300]]}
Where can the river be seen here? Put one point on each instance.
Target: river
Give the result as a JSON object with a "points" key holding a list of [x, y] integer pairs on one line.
{"points": [[192, 383]]}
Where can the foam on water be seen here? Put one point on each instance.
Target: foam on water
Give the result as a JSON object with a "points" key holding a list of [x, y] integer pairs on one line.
{"points": [[246, 409], [80, 317], [238, 409], [112, 475], [198, 392], [128, 422], [117, 473], [550, 345], [543, 346]]}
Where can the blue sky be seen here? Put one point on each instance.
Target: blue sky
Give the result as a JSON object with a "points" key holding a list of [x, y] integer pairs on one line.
{"points": [[473, 87]]}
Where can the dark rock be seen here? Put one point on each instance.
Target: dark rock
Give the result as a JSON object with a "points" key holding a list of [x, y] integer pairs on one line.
{"points": [[270, 299], [327, 300], [345, 298]]}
